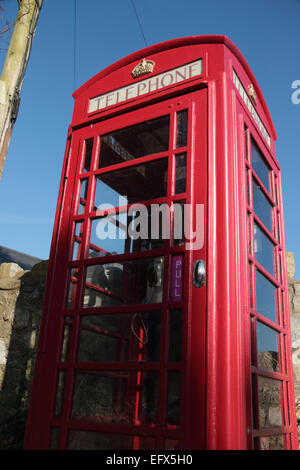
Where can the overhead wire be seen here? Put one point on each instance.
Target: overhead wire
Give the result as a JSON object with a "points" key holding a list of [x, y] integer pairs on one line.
{"points": [[139, 22], [75, 35], [75, 43]]}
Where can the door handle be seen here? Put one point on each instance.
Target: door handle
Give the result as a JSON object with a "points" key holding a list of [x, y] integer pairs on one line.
{"points": [[199, 273]]}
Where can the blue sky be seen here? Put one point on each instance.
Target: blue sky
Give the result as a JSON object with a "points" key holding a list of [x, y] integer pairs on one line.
{"points": [[266, 31]]}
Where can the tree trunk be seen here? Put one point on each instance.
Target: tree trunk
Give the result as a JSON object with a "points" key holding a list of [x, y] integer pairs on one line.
{"points": [[13, 71]]}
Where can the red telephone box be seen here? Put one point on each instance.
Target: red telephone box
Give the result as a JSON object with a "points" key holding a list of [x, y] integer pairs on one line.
{"points": [[166, 314]]}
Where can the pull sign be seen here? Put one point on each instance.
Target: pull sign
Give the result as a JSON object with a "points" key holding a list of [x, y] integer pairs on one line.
{"points": [[199, 273], [177, 278]]}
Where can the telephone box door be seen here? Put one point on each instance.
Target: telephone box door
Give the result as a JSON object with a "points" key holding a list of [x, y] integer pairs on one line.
{"points": [[122, 359]]}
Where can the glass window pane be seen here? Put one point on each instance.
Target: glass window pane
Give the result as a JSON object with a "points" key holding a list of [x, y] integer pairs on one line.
{"points": [[173, 404], [280, 275], [76, 250], [54, 439], [124, 397], [83, 196], [267, 347], [60, 391], [260, 165], [137, 141], [263, 249], [253, 338], [262, 207], [119, 338], [270, 412], [88, 154], [251, 285], [128, 232], [71, 296], [67, 330], [249, 233], [182, 117], [271, 442], [265, 296], [248, 187], [136, 281], [84, 189], [278, 226], [175, 335], [179, 223], [109, 235], [171, 444], [180, 182], [134, 184], [289, 411], [276, 190], [90, 440], [77, 240]]}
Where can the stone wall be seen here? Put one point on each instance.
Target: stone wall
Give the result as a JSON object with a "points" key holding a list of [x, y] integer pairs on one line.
{"points": [[294, 293], [21, 298]]}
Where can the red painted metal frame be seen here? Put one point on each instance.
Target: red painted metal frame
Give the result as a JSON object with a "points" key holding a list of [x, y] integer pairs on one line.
{"points": [[216, 411], [64, 423], [279, 280]]}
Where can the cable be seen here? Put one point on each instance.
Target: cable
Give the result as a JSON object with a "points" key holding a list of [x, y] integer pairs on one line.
{"points": [[145, 329], [139, 22], [75, 45]]}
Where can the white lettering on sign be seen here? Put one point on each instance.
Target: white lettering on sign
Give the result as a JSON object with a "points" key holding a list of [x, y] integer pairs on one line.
{"points": [[251, 108], [171, 77]]}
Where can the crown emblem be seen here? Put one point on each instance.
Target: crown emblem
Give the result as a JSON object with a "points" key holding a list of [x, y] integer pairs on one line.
{"points": [[252, 93], [145, 66]]}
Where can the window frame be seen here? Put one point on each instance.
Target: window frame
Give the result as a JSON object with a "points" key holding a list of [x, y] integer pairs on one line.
{"points": [[277, 280]]}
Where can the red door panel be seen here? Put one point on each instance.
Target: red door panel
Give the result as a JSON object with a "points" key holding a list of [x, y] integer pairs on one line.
{"points": [[118, 350]]}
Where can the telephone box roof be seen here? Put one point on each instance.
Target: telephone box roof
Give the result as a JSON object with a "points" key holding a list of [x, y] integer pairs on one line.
{"points": [[176, 43]]}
